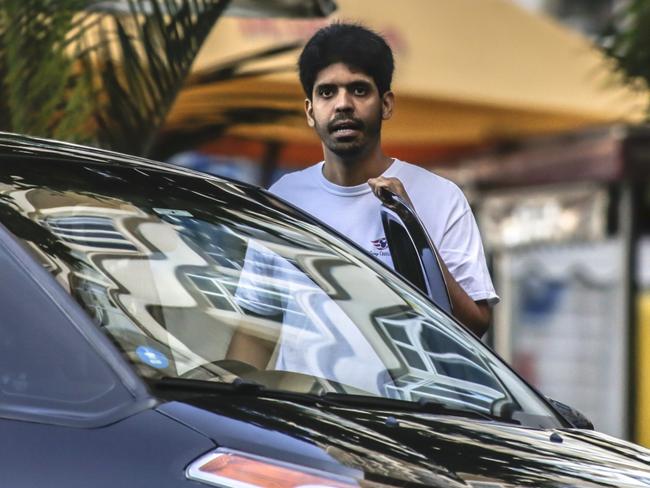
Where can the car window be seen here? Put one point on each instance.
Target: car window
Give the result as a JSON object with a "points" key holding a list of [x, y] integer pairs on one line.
{"points": [[178, 271]]}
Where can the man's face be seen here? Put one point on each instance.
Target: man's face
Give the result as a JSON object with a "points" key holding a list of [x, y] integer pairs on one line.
{"points": [[346, 110]]}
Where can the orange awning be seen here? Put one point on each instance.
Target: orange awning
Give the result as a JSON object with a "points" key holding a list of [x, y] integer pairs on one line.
{"points": [[467, 72]]}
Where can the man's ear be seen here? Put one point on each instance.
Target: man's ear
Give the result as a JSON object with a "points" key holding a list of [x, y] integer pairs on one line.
{"points": [[309, 112], [387, 105]]}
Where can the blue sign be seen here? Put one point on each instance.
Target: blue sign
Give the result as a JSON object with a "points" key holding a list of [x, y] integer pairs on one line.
{"points": [[152, 357]]}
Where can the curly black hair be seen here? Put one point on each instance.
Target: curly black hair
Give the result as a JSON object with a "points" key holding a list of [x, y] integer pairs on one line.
{"points": [[351, 44]]}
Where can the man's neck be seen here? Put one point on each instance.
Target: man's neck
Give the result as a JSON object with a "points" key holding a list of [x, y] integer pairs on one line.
{"points": [[354, 171]]}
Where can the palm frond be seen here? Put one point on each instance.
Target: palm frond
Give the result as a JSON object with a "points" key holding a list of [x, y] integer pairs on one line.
{"points": [[243, 66], [239, 67], [626, 40], [106, 72], [38, 91], [141, 58]]}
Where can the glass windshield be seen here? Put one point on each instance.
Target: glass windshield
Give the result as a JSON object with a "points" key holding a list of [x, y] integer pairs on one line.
{"points": [[193, 279]]}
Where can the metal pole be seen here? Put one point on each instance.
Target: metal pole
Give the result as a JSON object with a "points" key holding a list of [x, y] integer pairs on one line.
{"points": [[628, 220]]}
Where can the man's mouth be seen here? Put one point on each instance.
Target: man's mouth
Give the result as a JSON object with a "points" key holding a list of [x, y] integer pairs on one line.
{"points": [[345, 128]]}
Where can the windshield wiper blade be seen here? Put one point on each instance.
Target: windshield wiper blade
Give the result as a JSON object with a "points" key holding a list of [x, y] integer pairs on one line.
{"points": [[191, 385], [333, 399], [239, 387], [429, 406], [423, 405]]}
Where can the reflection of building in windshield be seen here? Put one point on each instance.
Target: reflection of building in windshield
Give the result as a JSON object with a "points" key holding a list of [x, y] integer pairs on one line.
{"points": [[216, 289], [118, 261], [181, 282], [441, 367], [89, 231], [220, 289], [164, 278]]}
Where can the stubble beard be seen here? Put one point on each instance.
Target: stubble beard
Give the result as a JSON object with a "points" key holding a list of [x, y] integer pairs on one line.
{"points": [[351, 151]]}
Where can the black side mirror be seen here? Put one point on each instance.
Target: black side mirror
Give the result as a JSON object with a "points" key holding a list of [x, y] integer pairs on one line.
{"points": [[571, 415], [414, 255]]}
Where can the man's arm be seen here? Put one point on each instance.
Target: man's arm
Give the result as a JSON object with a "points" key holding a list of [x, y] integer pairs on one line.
{"points": [[475, 315], [254, 340], [250, 349]]}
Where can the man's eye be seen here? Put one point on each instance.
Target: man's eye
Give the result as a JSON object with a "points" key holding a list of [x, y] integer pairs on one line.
{"points": [[360, 91], [325, 92]]}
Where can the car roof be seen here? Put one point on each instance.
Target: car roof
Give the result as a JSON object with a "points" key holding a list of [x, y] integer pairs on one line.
{"points": [[24, 146], [29, 147]]}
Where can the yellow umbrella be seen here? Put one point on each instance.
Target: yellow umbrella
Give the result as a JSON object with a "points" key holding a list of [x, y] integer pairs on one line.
{"points": [[467, 72]]}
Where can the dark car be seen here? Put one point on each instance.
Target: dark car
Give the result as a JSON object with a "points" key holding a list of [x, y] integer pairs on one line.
{"points": [[128, 289]]}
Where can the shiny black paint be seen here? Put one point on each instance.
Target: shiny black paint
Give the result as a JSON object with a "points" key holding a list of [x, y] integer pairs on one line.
{"points": [[423, 450], [145, 450]]}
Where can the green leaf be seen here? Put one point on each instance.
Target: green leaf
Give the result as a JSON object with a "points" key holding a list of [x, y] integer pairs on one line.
{"points": [[626, 40], [101, 76]]}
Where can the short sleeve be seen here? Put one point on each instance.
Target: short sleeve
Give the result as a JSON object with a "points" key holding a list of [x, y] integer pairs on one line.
{"points": [[461, 249]]}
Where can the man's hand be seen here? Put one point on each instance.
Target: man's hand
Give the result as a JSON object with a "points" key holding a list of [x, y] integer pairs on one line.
{"points": [[392, 184]]}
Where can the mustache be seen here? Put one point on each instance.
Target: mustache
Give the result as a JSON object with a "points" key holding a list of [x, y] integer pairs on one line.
{"points": [[351, 122]]}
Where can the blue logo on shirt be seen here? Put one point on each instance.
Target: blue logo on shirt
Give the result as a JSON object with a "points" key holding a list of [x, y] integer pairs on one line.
{"points": [[152, 357], [380, 244]]}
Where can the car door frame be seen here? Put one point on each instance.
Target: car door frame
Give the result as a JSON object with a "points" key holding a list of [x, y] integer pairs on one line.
{"points": [[414, 255]]}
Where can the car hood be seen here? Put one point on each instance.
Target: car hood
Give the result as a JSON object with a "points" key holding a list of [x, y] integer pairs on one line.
{"points": [[393, 448]]}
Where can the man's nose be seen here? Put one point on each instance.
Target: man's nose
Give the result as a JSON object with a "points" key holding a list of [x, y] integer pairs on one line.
{"points": [[343, 101]]}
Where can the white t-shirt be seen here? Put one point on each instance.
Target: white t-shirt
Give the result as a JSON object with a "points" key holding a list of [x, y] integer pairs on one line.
{"points": [[354, 211]]}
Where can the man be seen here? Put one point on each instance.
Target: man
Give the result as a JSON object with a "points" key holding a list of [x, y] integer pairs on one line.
{"points": [[346, 72]]}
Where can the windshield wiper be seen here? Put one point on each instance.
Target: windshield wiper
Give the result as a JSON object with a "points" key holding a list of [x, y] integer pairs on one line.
{"points": [[237, 387], [332, 399], [423, 405], [191, 385]]}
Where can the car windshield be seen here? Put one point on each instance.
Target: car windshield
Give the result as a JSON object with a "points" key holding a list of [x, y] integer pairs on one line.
{"points": [[198, 279]]}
